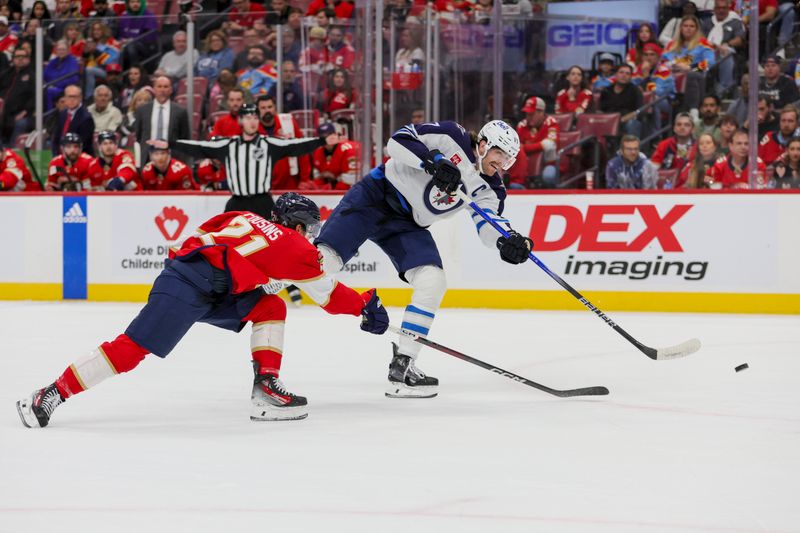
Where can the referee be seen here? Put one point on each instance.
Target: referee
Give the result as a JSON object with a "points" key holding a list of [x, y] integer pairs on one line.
{"points": [[248, 160]]}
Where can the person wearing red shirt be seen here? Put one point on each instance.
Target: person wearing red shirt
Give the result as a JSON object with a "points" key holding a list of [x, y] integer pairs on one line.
{"points": [[228, 125], [340, 53], [163, 173], [577, 97], [673, 152], [287, 173], [8, 41], [344, 9], [314, 58], [114, 169], [339, 93], [336, 163], [70, 170], [733, 171], [773, 143], [211, 174], [14, 175], [538, 133], [244, 15], [224, 275]]}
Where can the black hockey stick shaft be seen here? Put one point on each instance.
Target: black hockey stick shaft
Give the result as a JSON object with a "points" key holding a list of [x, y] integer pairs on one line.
{"points": [[586, 391], [680, 350], [26, 148]]}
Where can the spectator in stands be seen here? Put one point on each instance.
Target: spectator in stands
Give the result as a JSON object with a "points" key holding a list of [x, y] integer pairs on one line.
{"points": [[767, 11], [708, 122], [339, 93], [278, 12], [293, 95], [314, 57], [128, 127], [335, 164], [291, 46], [605, 75], [76, 119], [738, 107], [410, 53], [703, 156], [114, 82], [8, 40], [691, 54], [14, 175], [652, 75], [773, 144], [624, 98], [97, 55], [630, 169], [61, 71], [113, 169], [163, 173], [16, 88], [289, 172], [74, 39], [645, 35], [103, 13], [417, 116], [727, 127], [786, 10], [228, 125], [40, 12], [787, 168], [104, 114], [324, 17], [162, 119], [576, 98], [260, 75], [538, 133], [243, 15], [732, 171], [294, 22], [340, 53], [64, 12], [768, 120], [671, 28], [672, 153], [226, 81], [251, 38], [344, 9], [133, 80], [29, 36], [174, 63], [215, 57], [69, 170], [726, 32], [137, 31], [777, 86]]}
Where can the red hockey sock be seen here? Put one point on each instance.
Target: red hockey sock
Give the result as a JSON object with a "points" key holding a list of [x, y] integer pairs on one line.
{"points": [[111, 358], [266, 341]]}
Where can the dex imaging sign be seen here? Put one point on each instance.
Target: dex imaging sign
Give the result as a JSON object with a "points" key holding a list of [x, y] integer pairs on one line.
{"points": [[572, 41]]}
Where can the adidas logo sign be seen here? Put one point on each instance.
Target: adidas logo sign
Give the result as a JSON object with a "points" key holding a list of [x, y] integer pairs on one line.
{"points": [[75, 215]]}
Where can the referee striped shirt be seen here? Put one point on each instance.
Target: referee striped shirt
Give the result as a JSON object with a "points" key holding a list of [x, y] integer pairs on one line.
{"points": [[248, 164]]}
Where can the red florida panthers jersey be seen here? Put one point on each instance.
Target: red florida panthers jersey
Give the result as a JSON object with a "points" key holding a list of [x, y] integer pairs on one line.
{"points": [[340, 165], [121, 165], [772, 147], [14, 175], [255, 251], [177, 177], [63, 175], [731, 177]]}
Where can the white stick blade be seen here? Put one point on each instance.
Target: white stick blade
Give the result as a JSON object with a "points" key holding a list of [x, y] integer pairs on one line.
{"points": [[679, 350]]}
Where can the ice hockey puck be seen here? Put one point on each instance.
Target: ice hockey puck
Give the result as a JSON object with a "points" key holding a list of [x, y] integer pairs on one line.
{"points": [[741, 367]]}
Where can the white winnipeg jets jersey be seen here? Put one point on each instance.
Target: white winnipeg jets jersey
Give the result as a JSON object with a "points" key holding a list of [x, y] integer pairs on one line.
{"points": [[408, 147]]}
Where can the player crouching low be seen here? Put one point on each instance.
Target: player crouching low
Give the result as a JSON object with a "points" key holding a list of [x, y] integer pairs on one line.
{"points": [[219, 276]]}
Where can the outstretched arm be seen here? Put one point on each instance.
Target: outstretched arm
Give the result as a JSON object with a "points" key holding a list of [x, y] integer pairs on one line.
{"points": [[281, 148], [204, 149]]}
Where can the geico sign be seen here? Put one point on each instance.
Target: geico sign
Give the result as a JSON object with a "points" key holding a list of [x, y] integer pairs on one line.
{"points": [[586, 230], [587, 34]]}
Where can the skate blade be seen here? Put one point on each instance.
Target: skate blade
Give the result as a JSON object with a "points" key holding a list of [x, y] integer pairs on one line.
{"points": [[272, 413], [401, 390], [22, 415]]}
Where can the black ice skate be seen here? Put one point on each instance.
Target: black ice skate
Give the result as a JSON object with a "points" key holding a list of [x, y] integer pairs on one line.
{"points": [[294, 295], [271, 401], [35, 410], [408, 381]]}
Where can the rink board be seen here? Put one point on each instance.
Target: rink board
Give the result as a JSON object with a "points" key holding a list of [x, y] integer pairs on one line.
{"points": [[735, 252]]}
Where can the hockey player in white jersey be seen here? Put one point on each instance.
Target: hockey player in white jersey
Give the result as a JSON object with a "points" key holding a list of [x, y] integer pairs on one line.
{"points": [[395, 203]]}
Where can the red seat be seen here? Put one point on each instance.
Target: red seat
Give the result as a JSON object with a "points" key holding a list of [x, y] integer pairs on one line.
{"points": [[200, 85], [214, 117], [535, 161], [345, 115], [680, 82], [197, 118], [197, 100], [667, 177], [564, 120], [307, 118], [213, 104], [565, 138], [19, 144], [601, 125]]}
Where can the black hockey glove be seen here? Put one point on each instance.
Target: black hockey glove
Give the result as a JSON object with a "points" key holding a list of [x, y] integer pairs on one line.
{"points": [[446, 176], [515, 248], [374, 318]]}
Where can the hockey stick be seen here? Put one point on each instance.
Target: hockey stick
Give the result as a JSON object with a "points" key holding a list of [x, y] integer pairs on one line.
{"points": [[586, 391], [671, 352], [26, 148]]}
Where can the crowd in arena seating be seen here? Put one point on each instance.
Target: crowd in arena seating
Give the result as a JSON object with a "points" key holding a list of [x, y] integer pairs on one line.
{"points": [[670, 113]]}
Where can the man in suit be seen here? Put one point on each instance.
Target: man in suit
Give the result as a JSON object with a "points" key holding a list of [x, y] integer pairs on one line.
{"points": [[162, 119], [74, 118]]}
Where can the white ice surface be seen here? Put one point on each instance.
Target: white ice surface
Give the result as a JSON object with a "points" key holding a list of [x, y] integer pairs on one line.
{"points": [[683, 445]]}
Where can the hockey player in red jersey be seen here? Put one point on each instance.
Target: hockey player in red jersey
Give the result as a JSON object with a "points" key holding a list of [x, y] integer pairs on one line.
{"points": [[211, 174], [14, 175], [70, 170], [733, 170], [226, 275], [336, 163], [114, 168], [164, 173]]}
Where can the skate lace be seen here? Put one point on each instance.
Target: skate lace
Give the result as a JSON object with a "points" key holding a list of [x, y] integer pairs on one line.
{"points": [[50, 400], [277, 385], [416, 372]]}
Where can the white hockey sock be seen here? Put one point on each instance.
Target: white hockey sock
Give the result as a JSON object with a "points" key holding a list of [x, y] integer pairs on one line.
{"points": [[417, 320], [429, 285]]}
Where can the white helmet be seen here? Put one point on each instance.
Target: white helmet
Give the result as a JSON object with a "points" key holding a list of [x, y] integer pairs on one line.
{"points": [[498, 134]]}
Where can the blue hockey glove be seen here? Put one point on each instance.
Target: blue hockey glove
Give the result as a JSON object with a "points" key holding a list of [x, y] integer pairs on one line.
{"points": [[374, 318], [116, 184], [515, 248]]}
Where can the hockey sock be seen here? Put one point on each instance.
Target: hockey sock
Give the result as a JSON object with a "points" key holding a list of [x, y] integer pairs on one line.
{"points": [[429, 286], [109, 359], [266, 340]]}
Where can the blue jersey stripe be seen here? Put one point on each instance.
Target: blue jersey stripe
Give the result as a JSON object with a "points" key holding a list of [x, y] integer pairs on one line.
{"points": [[414, 327], [419, 311]]}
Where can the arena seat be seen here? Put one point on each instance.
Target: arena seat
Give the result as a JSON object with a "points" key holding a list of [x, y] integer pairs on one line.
{"points": [[197, 101], [200, 85], [307, 118], [600, 125], [564, 120]]}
